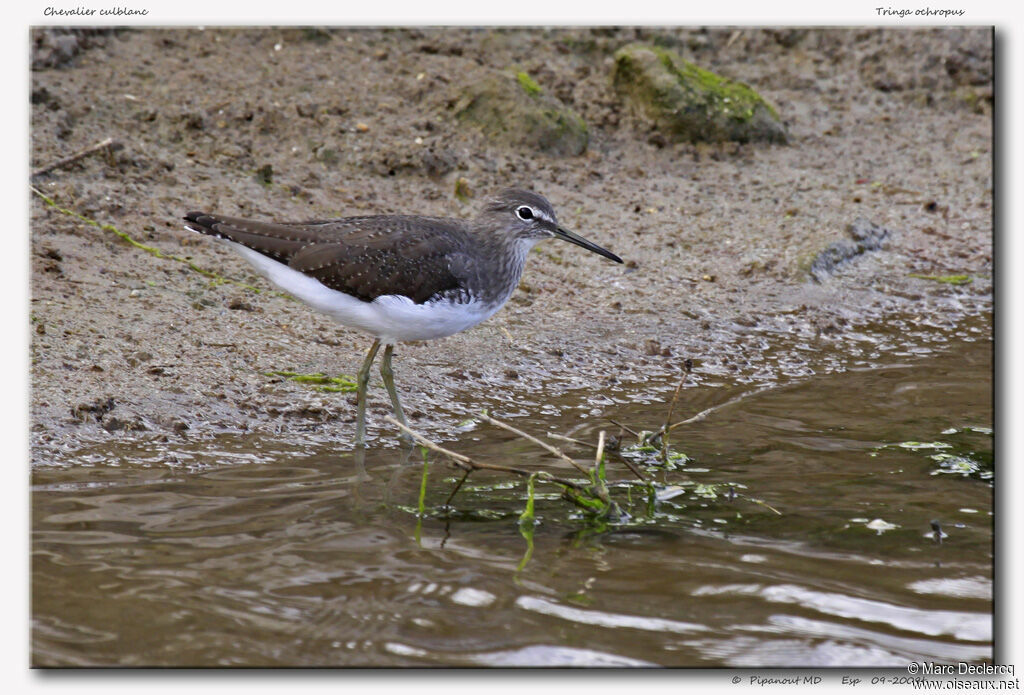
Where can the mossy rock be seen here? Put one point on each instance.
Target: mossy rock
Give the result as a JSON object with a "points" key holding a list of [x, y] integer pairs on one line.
{"points": [[689, 104], [513, 109]]}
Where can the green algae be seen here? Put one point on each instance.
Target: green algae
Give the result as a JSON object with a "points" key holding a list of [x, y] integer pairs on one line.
{"points": [[528, 84], [152, 250], [322, 382], [947, 279]]}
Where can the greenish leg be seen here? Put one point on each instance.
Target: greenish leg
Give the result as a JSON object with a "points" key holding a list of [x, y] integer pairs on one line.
{"points": [[362, 379], [388, 375]]}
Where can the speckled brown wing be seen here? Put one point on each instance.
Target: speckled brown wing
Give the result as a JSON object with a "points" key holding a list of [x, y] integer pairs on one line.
{"points": [[277, 241], [366, 257]]}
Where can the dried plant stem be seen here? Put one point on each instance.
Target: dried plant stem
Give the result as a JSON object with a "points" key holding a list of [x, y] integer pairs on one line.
{"points": [[562, 437], [530, 438], [765, 504], [628, 429], [81, 154], [468, 464], [704, 413], [632, 469], [668, 420]]}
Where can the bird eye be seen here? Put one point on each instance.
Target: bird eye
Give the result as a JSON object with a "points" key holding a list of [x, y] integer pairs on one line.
{"points": [[524, 213]]}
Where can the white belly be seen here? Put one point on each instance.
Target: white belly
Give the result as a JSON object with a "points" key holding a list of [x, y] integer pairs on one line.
{"points": [[391, 318]]}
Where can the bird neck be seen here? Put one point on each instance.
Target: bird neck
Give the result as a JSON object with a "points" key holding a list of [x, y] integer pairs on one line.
{"points": [[503, 262]]}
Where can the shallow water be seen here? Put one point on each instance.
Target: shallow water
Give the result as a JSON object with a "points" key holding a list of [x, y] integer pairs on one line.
{"points": [[802, 535]]}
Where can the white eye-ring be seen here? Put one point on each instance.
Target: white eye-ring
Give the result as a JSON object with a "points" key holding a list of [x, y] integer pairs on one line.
{"points": [[525, 212]]}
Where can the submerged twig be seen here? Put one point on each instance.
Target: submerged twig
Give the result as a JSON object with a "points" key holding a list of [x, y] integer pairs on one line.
{"points": [[458, 486], [81, 154]]}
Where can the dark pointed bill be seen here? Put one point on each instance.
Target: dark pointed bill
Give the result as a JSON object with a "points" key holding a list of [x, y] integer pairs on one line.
{"points": [[588, 245]]}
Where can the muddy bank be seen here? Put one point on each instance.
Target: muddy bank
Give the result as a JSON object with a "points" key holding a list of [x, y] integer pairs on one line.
{"points": [[890, 126]]}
